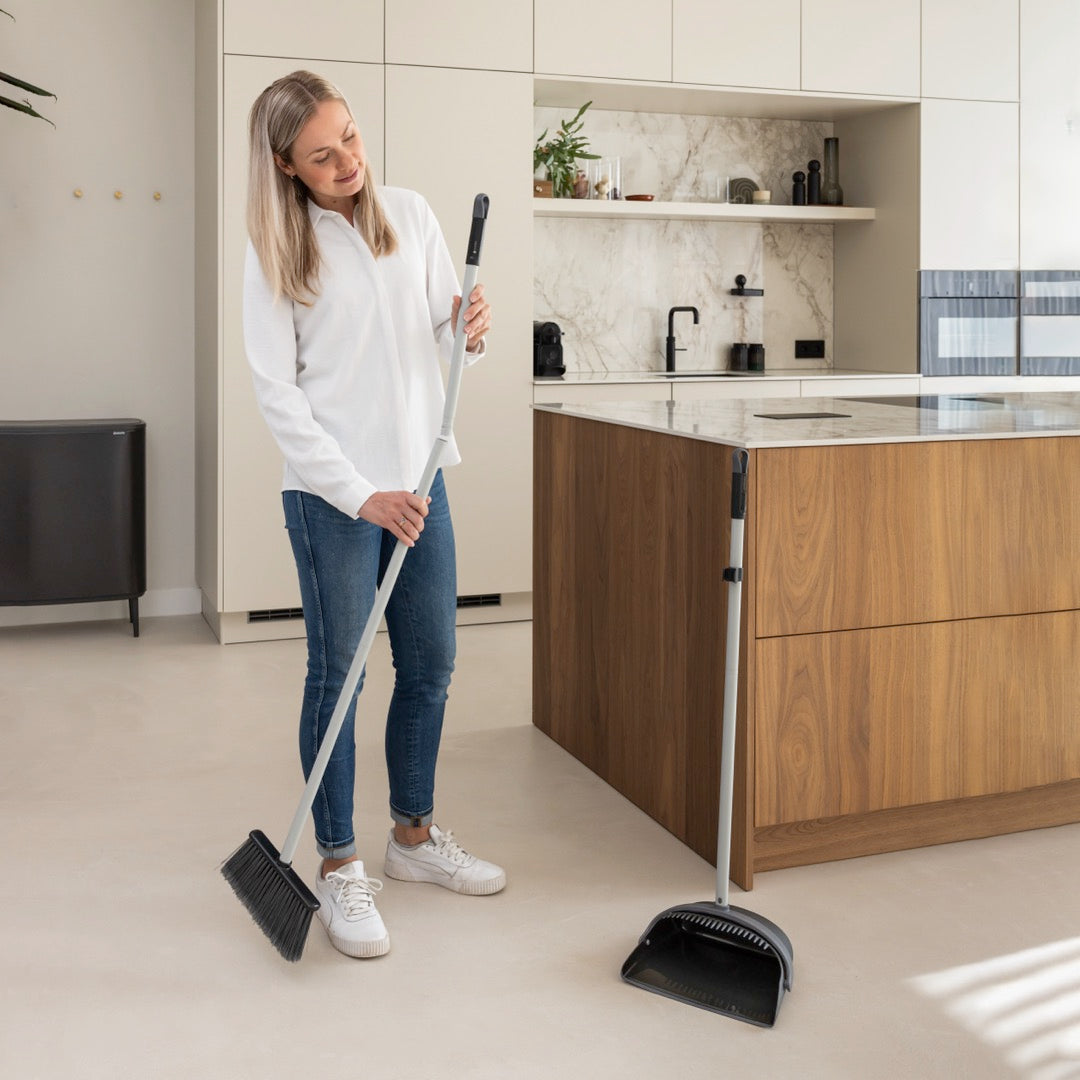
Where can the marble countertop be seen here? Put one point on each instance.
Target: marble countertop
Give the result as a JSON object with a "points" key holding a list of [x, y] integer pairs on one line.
{"points": [[609, 378], [749, 422]]}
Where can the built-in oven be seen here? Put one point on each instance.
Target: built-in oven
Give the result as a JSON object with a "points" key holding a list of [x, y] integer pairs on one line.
{"points": [[1050, 322], [968, 322]]}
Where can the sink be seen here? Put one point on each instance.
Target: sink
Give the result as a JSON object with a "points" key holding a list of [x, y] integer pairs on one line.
{"points": [[701, 374]]}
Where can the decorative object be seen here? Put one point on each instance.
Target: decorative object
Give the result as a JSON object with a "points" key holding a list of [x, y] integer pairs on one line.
{"points": [[23, 106], [559, 155], [581, 185], [606, 179], [762, 198], [756, 357], [798, 188], [542, 189], [741, 289], [813, 184], [640, 198], [740, 189], [831, 192], [740, 356]]}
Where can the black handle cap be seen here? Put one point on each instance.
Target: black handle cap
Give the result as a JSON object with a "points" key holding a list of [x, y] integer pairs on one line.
{"points": [[481, 205]]}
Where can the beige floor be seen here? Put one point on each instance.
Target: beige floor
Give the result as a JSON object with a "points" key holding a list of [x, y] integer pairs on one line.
{"points": [[131, 768]]}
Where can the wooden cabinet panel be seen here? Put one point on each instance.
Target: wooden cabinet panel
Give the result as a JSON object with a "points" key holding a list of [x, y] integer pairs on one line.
{"points": [[492, 34], [322, 30], [876, 535], [259, 571], [861, 47], [1049, 135], [849, 723], [731, 43], [970, 53], [606, 39], [489, 491], [969, 186]]}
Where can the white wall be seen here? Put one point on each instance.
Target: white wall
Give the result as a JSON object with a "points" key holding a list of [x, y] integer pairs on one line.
{"points": [[96, 294]]}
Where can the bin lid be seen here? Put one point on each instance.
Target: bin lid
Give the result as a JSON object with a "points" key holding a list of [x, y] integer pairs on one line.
{"points": [[69, 427]]}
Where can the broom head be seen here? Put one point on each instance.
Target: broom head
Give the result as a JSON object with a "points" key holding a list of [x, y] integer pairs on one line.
{"points": [[273, 893]]}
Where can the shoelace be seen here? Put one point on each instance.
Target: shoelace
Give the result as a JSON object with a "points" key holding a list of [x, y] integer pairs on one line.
{"points": [[356, 895], [450, 849]]}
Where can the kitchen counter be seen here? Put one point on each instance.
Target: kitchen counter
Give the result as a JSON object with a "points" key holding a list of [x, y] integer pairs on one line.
{"points": [[750, 422], [613, 378], [911, 616]]}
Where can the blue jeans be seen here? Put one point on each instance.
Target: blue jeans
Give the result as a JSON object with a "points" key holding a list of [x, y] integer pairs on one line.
{"points": [[340, 561]]}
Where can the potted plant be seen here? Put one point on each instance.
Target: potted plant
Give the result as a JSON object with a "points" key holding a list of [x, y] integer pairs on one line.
{"points": [[23, 106], [558, 157]]}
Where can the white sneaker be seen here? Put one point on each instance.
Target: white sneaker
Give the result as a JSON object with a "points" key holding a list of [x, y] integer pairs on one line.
{"points": [[441, 860], [347, 910]]}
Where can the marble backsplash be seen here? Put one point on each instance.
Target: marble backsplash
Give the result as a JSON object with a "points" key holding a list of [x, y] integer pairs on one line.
{"points": [[609, 283]]}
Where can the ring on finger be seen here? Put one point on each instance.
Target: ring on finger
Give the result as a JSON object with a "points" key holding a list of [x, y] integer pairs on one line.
{"points": [[402, 521]]}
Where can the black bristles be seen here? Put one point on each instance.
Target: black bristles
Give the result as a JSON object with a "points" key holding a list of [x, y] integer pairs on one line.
{"points": [[279, 902]]}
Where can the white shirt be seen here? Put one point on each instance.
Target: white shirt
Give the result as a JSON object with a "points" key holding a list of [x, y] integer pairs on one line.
{"points": [[351, 387]]}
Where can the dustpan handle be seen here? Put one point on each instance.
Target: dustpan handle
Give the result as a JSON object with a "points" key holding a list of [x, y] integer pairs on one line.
{"points": [[733, 575], [382, 596]]}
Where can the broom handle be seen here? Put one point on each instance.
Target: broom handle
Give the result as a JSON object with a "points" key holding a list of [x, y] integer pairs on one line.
{"points": [[733, 575], [382, 596]]}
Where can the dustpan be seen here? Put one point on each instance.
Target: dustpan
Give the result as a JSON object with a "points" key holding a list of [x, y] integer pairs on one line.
{"points": [[709, 954]]}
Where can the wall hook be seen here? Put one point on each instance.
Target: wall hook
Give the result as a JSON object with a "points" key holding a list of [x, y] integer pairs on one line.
{"points": [[157, 196], [117, 194], [78, 193]]}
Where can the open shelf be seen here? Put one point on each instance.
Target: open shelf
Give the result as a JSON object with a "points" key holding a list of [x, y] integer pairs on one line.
{"points": [[703, 211]]}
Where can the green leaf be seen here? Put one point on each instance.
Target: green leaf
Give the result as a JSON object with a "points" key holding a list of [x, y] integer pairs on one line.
{"points": [[26, 86]]}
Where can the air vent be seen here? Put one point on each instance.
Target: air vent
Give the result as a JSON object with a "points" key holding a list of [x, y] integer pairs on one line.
{"points": [[480, 600], [275, 614]]}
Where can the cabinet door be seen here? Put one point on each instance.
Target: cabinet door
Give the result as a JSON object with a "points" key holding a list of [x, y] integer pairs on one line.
{"points": [[1049, 135], [728, 389], [317, 30], [970, 54], [839, 386], [258, 568], [593, 394], [491, 490], [492, 34], [861, 47], [732, 43], [606, 38], [969, 186]]}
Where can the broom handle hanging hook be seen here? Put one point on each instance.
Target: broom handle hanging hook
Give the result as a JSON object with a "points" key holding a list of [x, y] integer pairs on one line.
{"points": [[382, 596]]}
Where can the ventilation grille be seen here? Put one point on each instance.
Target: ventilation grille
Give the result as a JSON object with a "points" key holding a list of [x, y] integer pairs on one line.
{"points": [[275, 614], [480, 600]]}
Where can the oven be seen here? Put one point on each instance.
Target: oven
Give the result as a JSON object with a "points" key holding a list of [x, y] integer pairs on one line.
{"points": [[968, 322], [1050, 322]]}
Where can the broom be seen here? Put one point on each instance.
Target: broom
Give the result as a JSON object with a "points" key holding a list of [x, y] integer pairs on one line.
{"points": [[263, 878]]}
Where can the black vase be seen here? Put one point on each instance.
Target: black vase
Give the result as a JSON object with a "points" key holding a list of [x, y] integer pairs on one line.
{"points": [[832, 194]]}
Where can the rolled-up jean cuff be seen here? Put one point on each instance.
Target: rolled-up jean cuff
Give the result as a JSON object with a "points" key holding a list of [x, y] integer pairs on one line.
{"points": [[416, 821], [338, 851]]}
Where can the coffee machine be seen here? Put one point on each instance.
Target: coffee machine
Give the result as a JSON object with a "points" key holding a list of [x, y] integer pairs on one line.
{"points": [[547, 351]]}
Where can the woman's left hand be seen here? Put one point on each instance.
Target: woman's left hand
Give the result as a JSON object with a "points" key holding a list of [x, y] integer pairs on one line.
{"points": [[477, 318]]}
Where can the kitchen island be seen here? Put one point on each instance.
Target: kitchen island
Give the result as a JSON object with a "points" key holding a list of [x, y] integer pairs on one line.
{"points": [[910, 662]]}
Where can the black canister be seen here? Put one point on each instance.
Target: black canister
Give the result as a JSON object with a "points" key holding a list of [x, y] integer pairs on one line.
{"points": [[740, 356], [755, 357]]}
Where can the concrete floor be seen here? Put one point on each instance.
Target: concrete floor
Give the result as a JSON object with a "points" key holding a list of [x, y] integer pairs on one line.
{"points": [[130, 768]]}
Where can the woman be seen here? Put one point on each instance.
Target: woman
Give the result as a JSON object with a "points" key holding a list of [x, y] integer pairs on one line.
{"points": [[350, 297]]}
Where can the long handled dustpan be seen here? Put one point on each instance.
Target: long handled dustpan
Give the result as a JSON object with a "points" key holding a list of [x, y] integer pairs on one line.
{"points": [[263, 879], [710, 954]]}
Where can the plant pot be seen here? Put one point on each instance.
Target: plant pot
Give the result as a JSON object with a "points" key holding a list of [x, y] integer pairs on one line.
{"points": [[542, 189]]}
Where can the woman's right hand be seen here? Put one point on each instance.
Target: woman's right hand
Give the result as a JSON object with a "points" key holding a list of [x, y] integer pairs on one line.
{"points": [[399, 512]]}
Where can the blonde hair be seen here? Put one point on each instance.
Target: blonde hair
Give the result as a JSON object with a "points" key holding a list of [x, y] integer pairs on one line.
{"points": [[277, 214]]}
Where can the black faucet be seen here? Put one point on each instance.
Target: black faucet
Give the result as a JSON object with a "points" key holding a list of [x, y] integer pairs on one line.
{"points": [[671, 350]]}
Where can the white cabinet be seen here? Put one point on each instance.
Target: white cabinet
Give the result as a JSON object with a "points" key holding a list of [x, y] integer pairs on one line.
{"points": [[606, 38], [733, 43], [861, 47], [426, 149], [1049, 135], [970, 51], [319, 30], [258, 571], [727, 389], [493, 34], [969, 185], [593, 393], [841, 386]]}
